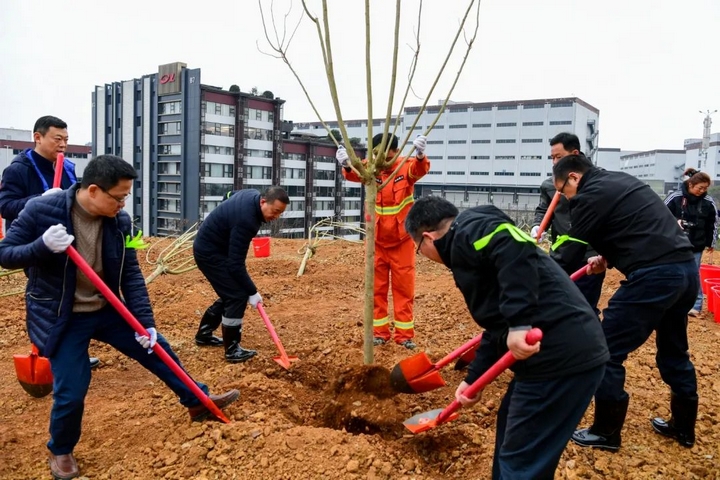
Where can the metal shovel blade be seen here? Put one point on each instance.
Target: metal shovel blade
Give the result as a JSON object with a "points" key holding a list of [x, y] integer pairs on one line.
{"points": [[34, 374], [427, 420], [286, 361], [415, 374]]}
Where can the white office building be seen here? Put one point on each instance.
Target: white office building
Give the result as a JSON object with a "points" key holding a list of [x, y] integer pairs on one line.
{"points": [[493, 152]]}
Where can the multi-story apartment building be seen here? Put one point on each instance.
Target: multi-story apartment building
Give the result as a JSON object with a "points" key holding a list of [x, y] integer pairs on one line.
{"points": [[191, 143], [492, 152]]}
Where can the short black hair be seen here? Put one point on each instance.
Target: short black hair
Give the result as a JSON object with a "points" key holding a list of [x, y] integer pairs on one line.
{"points": [[275, 193], [392, 141], [428, 214], [106, 171], [571, 163], [569, 141], [43, 124]]}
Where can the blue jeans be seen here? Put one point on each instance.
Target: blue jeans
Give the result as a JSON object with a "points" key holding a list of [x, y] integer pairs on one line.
{"points": [[536, 420], [653, 298], [699, 301], [71, 371]]}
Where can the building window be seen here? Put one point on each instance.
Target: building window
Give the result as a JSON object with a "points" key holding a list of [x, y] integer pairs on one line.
{"points": [[457, 142], [479, 173], [561, 105], [434, 172], [530, 174], [258, 153], [534, 124], [507, 107], [482, 125], [456, 157], [296, 190], [437, 127], [480, 141], [458, 126], [533, 106], [215, 189], [457, 109], [505, 157], [168, 168], [532, 140], [435, 142], [295, 156], [168, 128], [505, 174], [222, 129], [257, 172], [324, 175], [456, 172], [324, 191], [561, 122], [258, 134], [505, 140], [480, 157], [173, 149], [531, 157], [219, 170], [258, 114], [169, 108], [508, 124], [482, 109], [324, 205]]}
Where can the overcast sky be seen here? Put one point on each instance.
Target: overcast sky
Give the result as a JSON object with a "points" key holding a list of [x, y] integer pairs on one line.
{"points": [[649, 66]]}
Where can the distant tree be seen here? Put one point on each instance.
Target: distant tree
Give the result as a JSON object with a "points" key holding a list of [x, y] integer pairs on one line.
{"points": [[268, 94], [336, 134], [234, 88], [254, 91], [355, 142]]}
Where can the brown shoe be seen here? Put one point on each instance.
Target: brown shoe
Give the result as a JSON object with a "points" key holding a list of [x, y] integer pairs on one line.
{"points": [[63, 467], [200, 412]]}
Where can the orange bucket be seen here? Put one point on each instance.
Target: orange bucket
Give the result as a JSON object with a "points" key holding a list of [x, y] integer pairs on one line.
{"points": [[708, 271], [261, 247]]}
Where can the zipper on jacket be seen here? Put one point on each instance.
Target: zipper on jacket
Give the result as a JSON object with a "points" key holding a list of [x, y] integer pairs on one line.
{"points": [[62, 295], [122, 259]]}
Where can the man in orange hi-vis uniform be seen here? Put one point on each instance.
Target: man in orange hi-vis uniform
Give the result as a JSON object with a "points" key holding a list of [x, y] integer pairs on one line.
{"points": [[394, 249]]}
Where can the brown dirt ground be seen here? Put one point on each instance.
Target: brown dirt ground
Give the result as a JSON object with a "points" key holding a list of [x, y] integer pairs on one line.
{"points": [[315, 420]]}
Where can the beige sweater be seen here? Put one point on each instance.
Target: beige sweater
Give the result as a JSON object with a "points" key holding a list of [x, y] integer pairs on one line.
{"points": [[88, 242]]}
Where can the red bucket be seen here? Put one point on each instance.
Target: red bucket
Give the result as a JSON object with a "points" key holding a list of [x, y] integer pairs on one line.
{"points": [[708, 283], [712, 299], [708, 271], [261, 247]]}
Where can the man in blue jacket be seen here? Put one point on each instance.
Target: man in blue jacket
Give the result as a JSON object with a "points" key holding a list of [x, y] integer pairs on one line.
{"points": [[220, 250], [32, 172], [64, 308]]}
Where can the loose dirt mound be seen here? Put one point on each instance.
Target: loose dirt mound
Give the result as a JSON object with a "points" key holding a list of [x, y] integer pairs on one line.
{"points": [[328, 416]]}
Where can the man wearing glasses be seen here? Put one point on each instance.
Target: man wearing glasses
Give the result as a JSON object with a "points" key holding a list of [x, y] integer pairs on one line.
{"points": [[32, 172], [630, 227]]}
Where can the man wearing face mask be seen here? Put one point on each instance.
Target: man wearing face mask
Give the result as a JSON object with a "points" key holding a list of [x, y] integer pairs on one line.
{"points": [[220, 250], [394, 249]]}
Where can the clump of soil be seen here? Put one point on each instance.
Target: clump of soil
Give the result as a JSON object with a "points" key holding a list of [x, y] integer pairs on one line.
{"points": [[371, 379]]}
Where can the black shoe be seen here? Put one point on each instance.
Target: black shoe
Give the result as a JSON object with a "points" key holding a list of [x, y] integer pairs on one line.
{"points": [[681, 425], [586, 439], [234, 353], [409, 344], [208, 323], [94, 362], [377, 341]]}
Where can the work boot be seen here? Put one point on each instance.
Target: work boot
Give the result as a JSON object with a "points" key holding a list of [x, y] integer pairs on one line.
{"points": [[409, 344], [200, 412], [377, 341], [605, 430], [204, 336], [681, 425], [234, 353], [94, 362], [63, 467]]}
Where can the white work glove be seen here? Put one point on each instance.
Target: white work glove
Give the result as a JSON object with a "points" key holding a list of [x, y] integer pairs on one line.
{"points": [[342, 156], [420, 143], [462, 399], [534, 231], [146, 342], [255, 299], [52, 191], [57, 239]]}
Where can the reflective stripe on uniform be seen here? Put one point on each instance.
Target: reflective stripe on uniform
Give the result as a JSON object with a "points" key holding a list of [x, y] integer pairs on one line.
{"points": [[404, 325], [516, 233], [565, 238], [394, 210], [380, 322]]}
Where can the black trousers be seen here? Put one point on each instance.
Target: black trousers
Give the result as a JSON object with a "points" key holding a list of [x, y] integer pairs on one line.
{"points": [[233, 299]]}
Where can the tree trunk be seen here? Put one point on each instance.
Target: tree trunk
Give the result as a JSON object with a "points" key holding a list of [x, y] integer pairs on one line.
{"points": [[369, 301]]}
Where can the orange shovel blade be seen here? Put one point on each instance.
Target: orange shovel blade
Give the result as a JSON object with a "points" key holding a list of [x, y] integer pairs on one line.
{"points": [[285, 362], [426, 420], [34, 374]]}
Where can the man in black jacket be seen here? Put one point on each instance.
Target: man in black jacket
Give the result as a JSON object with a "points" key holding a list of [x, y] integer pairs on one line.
{"points": [[220, 250], [66, 310], [562, 145], [510, 286], [627, 223]]}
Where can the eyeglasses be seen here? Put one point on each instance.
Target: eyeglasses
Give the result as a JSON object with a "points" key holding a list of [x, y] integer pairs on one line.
{"points": [[120, 200], [422, 239], [562, 189]]}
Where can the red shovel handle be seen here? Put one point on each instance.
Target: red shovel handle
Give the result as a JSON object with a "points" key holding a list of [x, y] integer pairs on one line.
{"points": [[273, 334], [57, 180], [130, 318], [580, 273], [548, 215], [532, 337], [473, 342]]}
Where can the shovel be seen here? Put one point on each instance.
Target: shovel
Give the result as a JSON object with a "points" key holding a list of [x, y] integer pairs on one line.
{"points": [[425, 421], [548, 215], [130, 319], [284, 360], [417, 374], [33, 371]]}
